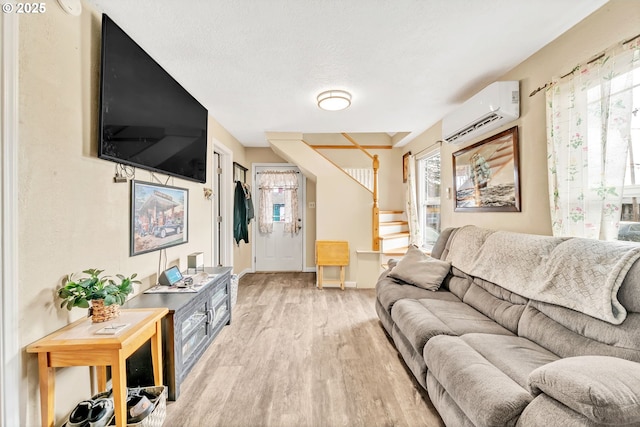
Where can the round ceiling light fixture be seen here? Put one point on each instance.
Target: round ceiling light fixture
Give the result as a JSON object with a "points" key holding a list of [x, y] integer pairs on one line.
{"points": [[334, 100]]}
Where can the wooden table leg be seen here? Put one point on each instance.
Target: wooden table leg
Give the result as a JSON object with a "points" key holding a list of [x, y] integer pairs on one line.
{"points": [[319, 277], [101, 374], [47, 386], [156, 354], [342, 277], [119, 383]]}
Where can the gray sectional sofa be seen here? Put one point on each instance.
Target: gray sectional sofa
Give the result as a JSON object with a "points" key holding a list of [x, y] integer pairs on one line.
{"points": [[524, 330]]}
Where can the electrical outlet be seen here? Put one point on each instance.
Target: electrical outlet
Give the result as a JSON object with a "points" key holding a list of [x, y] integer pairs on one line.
{"points": [[312, 205]]}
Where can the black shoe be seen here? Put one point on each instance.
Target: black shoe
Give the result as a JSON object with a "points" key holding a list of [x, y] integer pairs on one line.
{"points": [[79, 417], [101, 413]]}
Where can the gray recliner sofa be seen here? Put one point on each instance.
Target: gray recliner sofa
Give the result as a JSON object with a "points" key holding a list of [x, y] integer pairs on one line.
{"points": [[524, 330]]}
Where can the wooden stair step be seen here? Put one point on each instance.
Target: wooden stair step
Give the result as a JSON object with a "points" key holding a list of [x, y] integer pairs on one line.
{"points": [[394, 223], [396, 252], [395, 235]]}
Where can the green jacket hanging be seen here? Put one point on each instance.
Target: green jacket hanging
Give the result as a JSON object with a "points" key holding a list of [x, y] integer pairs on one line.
{"points": [[240, 223]]}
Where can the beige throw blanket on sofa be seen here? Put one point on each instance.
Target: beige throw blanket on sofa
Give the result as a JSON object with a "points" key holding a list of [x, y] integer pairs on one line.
{"points": [[580, 274]]}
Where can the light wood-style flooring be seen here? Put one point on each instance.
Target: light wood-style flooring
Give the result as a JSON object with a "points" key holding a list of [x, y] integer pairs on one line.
{"points": [[295, 356]]}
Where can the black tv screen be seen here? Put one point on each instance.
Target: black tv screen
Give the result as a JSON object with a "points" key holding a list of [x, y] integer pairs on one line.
{"points": [[147, 119]]}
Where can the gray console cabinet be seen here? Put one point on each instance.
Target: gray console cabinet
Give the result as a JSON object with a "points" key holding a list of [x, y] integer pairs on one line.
{"points": [[193, 322]]}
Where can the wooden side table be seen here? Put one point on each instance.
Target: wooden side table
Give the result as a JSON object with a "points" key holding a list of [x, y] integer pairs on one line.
{"points": [[77, 344], [331, 253]]}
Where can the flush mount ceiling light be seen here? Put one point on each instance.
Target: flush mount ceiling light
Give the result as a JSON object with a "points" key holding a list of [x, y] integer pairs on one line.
{"points": [[334, 100]]}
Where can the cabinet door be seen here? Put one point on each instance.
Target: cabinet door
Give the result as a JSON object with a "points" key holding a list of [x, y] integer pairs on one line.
{"points": [[219, 303], [193, 332]]}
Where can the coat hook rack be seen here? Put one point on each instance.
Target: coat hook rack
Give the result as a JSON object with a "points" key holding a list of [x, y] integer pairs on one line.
{"points": [[239, 173]]}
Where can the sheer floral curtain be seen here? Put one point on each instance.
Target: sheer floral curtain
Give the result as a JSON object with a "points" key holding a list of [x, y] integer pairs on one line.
{"points": [[286, 181], [588, 137], [415, 234]]}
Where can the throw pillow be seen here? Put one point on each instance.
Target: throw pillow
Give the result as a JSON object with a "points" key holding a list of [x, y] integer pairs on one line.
{"points": [[420, 270], [603, 389]]}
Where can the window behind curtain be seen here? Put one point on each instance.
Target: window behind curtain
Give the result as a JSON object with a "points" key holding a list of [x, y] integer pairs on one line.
{"points": [[429, 197], [593, 144], [630, 212]]}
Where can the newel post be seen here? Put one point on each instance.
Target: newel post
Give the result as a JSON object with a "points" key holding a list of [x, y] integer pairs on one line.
{"points": [[376, 210]]}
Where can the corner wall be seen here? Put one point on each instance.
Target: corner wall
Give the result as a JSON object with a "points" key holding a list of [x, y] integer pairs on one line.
{"points": [[616, 21]]}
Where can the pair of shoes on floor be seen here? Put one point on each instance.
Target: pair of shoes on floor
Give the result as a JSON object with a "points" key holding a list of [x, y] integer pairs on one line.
{"points": [[92, 413], [140, 403]]}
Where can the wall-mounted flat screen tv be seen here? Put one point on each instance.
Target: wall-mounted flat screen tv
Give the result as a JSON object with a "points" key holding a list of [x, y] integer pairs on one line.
{"points": [[147, 119]]}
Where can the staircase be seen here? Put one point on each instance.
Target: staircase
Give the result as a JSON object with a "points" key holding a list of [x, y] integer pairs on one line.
{"points": [[394, 233]]}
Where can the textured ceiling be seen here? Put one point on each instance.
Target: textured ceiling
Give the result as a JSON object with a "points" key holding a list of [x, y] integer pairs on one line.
{"points": [[257, 65]]}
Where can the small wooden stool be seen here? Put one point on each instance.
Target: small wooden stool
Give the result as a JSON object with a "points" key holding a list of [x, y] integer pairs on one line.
{"points": [[331, 253]]}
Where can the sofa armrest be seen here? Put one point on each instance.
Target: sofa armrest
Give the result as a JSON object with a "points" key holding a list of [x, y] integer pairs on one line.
{"points": [[604, 389]]}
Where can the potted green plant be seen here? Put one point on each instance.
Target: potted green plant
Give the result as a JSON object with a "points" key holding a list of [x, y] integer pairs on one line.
{"points": [[103, 293]]}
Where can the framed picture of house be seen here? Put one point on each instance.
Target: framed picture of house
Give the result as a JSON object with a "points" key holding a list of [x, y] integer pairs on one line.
{"points": [[159, 217], [405, 166], [485, 175]]}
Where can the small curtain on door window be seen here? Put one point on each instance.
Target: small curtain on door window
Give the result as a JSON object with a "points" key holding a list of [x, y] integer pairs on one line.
{"points": [[287, 183]]}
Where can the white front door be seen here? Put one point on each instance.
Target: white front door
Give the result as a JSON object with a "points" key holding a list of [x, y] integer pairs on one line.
{"points": [[278, 250]]}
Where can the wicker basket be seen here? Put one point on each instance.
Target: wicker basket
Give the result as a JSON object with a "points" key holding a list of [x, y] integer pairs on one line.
{"points": [[101, 313], [156, 418]]}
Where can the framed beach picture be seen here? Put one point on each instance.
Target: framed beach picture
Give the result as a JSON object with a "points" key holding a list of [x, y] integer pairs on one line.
{"points": [[159, 217], [485, 175]]}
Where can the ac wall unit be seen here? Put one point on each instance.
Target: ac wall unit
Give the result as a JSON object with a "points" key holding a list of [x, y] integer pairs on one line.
{"points": [[492, 107]]}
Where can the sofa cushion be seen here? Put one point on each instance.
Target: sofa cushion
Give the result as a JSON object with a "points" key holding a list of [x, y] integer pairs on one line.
{"points": [[458, 282], [448, 410], [389, 291], [544, 411], [420, 320], [420, 270], [440, 248], [568, 333], [515, 356], [462, 318], [412, 359], [497, 303], [604, 389], [486, 395]]}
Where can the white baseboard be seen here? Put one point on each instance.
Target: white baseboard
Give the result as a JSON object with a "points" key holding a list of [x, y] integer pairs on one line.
{"points": [[309, 270], [243, 272]]}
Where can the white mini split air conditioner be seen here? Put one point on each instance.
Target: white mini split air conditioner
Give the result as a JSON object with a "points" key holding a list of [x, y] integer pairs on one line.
{"points": [[492, 107]]}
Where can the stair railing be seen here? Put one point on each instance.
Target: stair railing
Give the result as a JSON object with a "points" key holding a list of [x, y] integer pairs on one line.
{"points": [[375, 224]]}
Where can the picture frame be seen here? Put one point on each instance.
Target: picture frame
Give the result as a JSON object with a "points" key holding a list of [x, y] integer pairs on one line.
{"points": [[486, 175], [159, 217], [405, 166]]}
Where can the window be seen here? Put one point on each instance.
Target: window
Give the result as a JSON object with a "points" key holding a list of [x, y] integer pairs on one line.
{"points": [[630, 212], [429, 197], [593, 146]]}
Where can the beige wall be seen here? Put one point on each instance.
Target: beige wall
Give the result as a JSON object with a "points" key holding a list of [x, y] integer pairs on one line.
{"points": [[615, 22], [220, 136], [343, 209], [72, 215], [389, 174]]}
